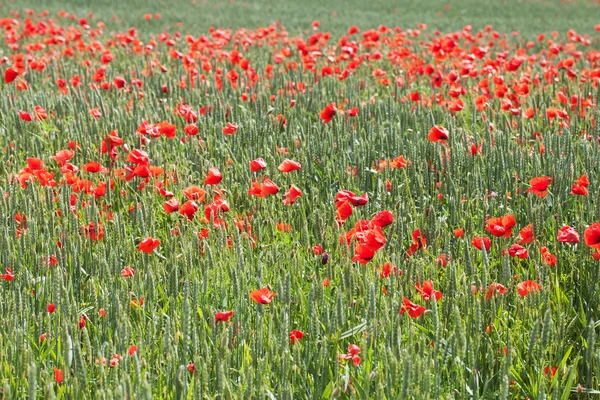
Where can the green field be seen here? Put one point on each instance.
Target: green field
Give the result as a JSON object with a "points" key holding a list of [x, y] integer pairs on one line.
{"points": [[398, 201]]}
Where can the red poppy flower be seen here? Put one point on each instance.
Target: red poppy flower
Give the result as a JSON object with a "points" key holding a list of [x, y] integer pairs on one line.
{"points": [[188, 209], [438, 133], [58, 375], [8, 276], [459, 232], [289, 166], [591, 236], [328, 113], [344, 196], [547, 257], [262, 296], [25, 116], [318, 250], [51, 307], [427, 291], [296, 335], [501, 227], [171, 206], [148, 245], [263, 188], [566, 234], [223, 316], [10, 75], [291, 195], [195, 193], [539, 185], [257, 165], [213, 177], [579, 190], [526, 235], [477, 242], [383, 218], [94, 232], [516, 250], [127, 272], [229, 129], [414, 310], [528, 287], [494, 289]]}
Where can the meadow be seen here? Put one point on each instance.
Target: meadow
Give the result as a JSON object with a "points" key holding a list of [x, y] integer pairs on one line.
{"points": [[310, 200]]}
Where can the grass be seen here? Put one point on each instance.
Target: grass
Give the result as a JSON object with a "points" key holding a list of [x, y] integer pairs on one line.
{"points": [[528, 17]]}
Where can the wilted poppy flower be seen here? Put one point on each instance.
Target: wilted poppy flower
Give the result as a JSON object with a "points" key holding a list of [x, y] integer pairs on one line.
{"points": [[528, 287], [427, 291], [539, 185], [213, 177], [289, 166], [547, 257], [328, 113], [148, 245], [477, 242], [493, 289], [229, 129], [223, 316], [566, 234], [591, 236], [257, 165], [438, 133], [262, 296], [94, 232], [296, 335], [353, 354], [414, 310]]}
